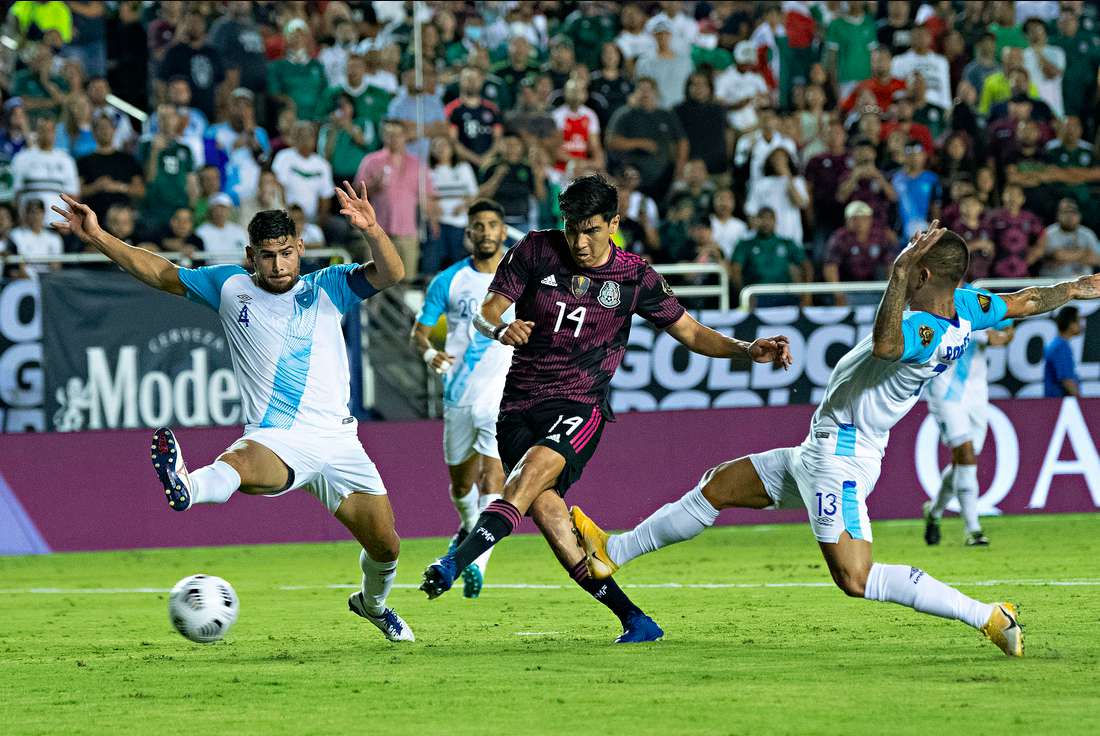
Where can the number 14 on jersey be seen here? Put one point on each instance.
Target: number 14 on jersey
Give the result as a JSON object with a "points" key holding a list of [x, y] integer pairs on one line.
{"points": [[577, 316]]}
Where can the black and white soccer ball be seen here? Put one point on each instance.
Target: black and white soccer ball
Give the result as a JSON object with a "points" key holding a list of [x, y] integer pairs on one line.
{"points": [[203, 607]]}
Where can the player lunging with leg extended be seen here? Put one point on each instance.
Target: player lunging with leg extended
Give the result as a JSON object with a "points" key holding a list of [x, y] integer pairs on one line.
{"points": [[291, 365], [959, 400], [474, 367], [574, 295], [834, 469]]}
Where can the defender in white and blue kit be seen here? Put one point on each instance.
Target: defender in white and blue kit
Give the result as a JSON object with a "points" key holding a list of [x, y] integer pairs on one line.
{"points": [[290, 361], [836, 467], [959, 401], [474, 369]]}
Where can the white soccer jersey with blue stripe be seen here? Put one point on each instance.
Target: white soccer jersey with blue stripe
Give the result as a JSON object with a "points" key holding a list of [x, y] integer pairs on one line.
{"points": [[967, 379], [287, 349], [866, 397], [481, 365]]}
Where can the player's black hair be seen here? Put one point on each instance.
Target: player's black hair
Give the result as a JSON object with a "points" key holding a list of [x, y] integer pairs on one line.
{"points": [[1068, 316], [485, 205], [948, 259], [270, 225], [587, 197]]}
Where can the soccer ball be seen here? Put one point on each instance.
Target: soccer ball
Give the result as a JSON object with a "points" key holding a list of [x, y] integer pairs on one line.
{"points": [[202, 608]]}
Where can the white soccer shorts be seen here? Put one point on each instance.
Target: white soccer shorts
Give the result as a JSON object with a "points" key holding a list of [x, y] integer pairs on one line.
{"points": [[469, 429], [832, 488], [962, 421], [330, 465]]}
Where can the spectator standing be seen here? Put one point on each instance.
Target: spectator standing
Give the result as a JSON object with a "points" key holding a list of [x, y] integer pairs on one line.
{"points": [[865, 182], [38, 86], [475, 122], [191, 119], [305, 175], [517, 67], [269, 196], [998, 85], [180, 236], [882, 84], [648, 138], [859, 251], [895, 31], [1082, 50], [196, 60], [753, 149], [455, 187], [515, 181], [245, 145], [849, 40], [918, 190], [932, 67], [742, 89], [1078, 167], [634, 40], [767, 258], [684, 28], [782, 191], [972, 224], [89, 44], [1059, 366], [345, 139], [588, 28], [392, 177], [726, 229], [610, 82], [562, 62], [413, 101], [98, 90], [128, 54], [823, 173], [74, 134], [704, 124], [311, 235], [237, 38], [1015, 231], [108, 176], [1045, 65], [170, 170], [296, 79], [985, 62], [1005, 28], [33, 239], [579, 127], [335, 55], [1067, 248], [44, 172], [668, 67], [369, 102], [223, 239]]}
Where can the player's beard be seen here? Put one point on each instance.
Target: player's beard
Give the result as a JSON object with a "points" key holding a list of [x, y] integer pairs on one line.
{"points": [[285, 284], [480, 255]]}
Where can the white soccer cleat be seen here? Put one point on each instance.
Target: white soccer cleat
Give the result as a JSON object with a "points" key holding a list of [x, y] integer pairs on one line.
{"points": [[392, 626]]}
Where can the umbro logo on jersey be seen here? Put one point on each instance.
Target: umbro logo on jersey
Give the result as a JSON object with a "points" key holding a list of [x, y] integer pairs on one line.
{"points": [[244, 298], [549, 281]]}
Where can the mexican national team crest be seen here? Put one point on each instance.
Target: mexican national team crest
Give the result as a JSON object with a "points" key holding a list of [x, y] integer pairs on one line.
{"points": [[609, 295], [926, 334], [580, 285]]}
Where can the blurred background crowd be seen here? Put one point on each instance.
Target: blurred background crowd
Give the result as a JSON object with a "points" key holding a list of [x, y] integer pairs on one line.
{"points": [[792, 141]]}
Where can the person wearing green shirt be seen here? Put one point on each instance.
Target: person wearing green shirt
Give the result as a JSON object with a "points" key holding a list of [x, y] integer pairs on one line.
{"points": [[849, 40], [42, 91], [1079, 82], [511, 73], [1004, 27], [346, 138], [297, 79], [590, 27], [1078, 168], [170, 177], [369, 102], [766, 258]]}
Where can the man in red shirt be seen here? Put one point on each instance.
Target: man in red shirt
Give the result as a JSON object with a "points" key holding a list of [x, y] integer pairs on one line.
{"points": [[902, 113], [882, 85]]}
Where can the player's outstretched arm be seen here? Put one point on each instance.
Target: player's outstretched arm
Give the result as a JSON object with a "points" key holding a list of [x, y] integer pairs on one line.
{"points": [[1040, 299], [384, 269], [146, 266], [488, 321], [698, 338], [888, 340]]}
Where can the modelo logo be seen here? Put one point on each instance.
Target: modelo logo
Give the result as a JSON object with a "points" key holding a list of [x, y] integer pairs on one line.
{"points": [[132, 395]]}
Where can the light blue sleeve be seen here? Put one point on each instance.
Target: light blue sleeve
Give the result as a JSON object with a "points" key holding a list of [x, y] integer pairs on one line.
{"points": [[921, 334], [204, 284], [439, 293], [982, 308], [346, 285]]}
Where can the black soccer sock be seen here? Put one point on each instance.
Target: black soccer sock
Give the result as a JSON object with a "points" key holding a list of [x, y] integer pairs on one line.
{"points": [[496, 522], [606, 591]]}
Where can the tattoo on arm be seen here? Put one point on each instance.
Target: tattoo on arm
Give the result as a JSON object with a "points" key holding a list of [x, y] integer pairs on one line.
{"points": [[889, 342], [1038, 299]]}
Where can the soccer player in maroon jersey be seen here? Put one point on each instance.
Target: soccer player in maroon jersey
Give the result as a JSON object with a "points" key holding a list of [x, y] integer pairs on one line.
{"points": [[575, 294]]}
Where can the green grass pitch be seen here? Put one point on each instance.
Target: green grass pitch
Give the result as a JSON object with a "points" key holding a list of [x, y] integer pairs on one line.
{"points": [[795, 656]]}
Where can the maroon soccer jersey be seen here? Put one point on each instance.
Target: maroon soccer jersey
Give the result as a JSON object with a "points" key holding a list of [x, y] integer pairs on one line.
{"points": [[581, 315]]}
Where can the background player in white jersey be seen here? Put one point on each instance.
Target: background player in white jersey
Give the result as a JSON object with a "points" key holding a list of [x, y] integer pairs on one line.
{"points": [[474, 369], [873, 386], [959, 400], [291, 365]]}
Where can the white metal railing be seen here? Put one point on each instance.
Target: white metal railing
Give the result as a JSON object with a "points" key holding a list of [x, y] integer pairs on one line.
{"points": [[199, 255], [721, 290], [860, 287]]}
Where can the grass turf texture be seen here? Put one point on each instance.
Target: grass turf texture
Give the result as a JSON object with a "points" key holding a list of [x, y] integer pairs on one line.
{"points": [[746, 660]]}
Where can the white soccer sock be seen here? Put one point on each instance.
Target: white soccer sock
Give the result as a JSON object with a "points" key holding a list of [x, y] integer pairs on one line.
{"points": [[674, 522], [213, 484], [483, 561], [947, 492], [913, 587], [377, 581], [966, 488], [466, 506]]}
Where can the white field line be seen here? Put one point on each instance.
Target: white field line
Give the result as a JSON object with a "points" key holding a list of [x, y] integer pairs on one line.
{"points": [[1083, 582]]}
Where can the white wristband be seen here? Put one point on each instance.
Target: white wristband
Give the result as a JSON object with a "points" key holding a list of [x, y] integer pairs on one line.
{"points": [[429, 355]]}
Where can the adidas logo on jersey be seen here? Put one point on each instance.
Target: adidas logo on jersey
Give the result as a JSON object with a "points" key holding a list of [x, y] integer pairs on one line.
{"points": [[549, 281]]}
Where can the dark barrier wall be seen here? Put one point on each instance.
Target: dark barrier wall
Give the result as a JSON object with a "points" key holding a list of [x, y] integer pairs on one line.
{"points": [[96, 490]]}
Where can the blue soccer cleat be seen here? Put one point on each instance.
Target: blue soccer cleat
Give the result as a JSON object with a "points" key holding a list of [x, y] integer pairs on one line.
{"points": [[458, 538], [640, 628], [392, 626], [168, 462], [439, 577], [472, 581]]}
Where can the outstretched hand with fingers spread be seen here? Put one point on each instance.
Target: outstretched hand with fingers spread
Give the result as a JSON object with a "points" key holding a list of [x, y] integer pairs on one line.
{"points": [[355, 206], [79, 220]]}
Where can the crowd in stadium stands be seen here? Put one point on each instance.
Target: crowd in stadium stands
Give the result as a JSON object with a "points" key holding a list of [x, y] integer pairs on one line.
{"points": [[787, 141]]}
